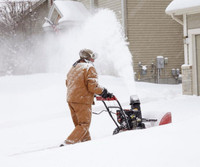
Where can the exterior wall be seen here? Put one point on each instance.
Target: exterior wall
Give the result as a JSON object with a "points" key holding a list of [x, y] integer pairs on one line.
{"points": [[152, 33], [193, 21], [194, 51], [187, 88]]}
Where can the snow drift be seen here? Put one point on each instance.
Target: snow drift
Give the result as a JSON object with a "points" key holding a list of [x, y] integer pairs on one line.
{"points": [[34, 115]]}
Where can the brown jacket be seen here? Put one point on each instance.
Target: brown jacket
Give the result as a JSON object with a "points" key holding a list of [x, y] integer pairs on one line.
{"points": [[82, 84]]}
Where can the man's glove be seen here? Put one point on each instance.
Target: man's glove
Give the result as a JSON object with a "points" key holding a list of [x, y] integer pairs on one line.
{"points": [[105, 94]]}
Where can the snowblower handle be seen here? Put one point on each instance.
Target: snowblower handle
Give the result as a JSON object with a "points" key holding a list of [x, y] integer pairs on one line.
{"points": [[119, 107], [99, 98]]}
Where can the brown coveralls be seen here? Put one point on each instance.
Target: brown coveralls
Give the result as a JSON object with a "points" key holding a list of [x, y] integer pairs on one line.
{"points": [[81, 85]]}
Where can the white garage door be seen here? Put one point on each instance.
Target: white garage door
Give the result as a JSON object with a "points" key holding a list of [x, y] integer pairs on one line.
{"points": [[198, 62]]}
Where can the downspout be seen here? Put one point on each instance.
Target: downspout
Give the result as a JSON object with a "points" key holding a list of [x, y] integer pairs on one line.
{"points": [[176, 19], [185, 34], [124, 18]]}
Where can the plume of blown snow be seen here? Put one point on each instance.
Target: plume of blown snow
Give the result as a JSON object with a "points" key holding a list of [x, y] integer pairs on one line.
{"points": [[103, 34]]}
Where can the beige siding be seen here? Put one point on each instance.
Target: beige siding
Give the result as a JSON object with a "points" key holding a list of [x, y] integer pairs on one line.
{"points": [[152, 33], [193, 21]]}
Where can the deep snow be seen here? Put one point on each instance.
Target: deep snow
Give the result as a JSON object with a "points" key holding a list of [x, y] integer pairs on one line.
{"points": [[34, 115]]}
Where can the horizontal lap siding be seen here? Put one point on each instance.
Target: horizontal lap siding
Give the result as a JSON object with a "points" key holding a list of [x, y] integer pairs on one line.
{"points": [[152, 33], [194, 21]]}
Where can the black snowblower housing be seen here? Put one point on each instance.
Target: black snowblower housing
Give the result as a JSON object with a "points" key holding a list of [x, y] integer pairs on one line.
{"points": [[127, 119], [132, 118]]}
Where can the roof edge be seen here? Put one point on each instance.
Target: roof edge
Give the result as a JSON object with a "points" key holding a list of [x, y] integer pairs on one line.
{"points": [[190, 10]]}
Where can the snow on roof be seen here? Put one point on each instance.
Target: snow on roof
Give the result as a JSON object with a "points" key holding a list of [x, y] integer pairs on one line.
{"points": [[71, 10], [179, 7]]}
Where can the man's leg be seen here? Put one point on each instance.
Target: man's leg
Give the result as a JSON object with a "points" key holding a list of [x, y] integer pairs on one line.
{"points": [[73, 115], [86, 137], [81, 131]]}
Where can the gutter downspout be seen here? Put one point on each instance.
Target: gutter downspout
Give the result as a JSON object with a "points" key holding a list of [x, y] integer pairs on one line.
{"points": [[185, 34], [176, 19], [124, 17]]}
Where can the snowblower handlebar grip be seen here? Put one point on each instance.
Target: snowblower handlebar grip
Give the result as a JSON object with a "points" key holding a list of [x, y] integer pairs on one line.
{"points": [[99, 98]]}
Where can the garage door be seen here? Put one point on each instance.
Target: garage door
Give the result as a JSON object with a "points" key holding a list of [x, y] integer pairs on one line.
{"points": [[198, 63]]}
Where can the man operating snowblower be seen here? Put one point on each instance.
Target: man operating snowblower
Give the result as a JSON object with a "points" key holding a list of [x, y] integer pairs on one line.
{"points": [[82, 85]]}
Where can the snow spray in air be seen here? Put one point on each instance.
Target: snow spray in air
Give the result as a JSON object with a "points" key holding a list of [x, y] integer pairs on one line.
{"points": [[103, 34]]}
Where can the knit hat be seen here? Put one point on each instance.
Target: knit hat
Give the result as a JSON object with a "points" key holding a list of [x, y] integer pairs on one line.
{"points": [[87, 54]]}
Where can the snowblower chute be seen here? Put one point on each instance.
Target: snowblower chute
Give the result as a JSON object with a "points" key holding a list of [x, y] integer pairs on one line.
{"points": [[127, 119], [166, 119]]}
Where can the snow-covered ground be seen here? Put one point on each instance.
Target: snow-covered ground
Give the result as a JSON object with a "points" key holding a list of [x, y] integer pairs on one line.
{"points": [[34, 115]]}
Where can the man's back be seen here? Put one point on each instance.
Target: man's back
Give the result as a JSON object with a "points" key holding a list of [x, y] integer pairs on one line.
{"points": [[81, 81]]}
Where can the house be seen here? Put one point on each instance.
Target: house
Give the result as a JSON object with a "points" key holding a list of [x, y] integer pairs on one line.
{"points": [[155, 40], [65, 14], [190, 11]]}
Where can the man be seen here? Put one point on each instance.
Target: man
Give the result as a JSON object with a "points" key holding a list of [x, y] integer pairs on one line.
{"points": [[82, 85]]}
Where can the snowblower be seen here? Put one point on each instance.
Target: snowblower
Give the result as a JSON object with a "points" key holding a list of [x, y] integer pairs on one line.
{"points": [[129, 119]]}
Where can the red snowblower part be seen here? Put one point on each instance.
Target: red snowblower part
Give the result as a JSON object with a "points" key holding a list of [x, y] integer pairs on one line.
{"points": [[166, 119], [99, 98]]}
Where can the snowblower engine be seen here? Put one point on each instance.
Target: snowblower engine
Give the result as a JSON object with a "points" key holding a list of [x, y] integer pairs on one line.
{"points": [[127, 119], [133, 116]]}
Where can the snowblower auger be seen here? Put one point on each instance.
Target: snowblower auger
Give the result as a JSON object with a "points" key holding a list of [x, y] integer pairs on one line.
{"points": [[127, 119]]}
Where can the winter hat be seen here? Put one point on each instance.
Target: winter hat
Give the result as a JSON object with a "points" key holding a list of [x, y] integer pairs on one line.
{"points": [[87, 54]]}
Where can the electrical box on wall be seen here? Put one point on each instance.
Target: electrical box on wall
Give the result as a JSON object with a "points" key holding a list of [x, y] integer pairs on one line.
{"points": [[160, 62]]}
